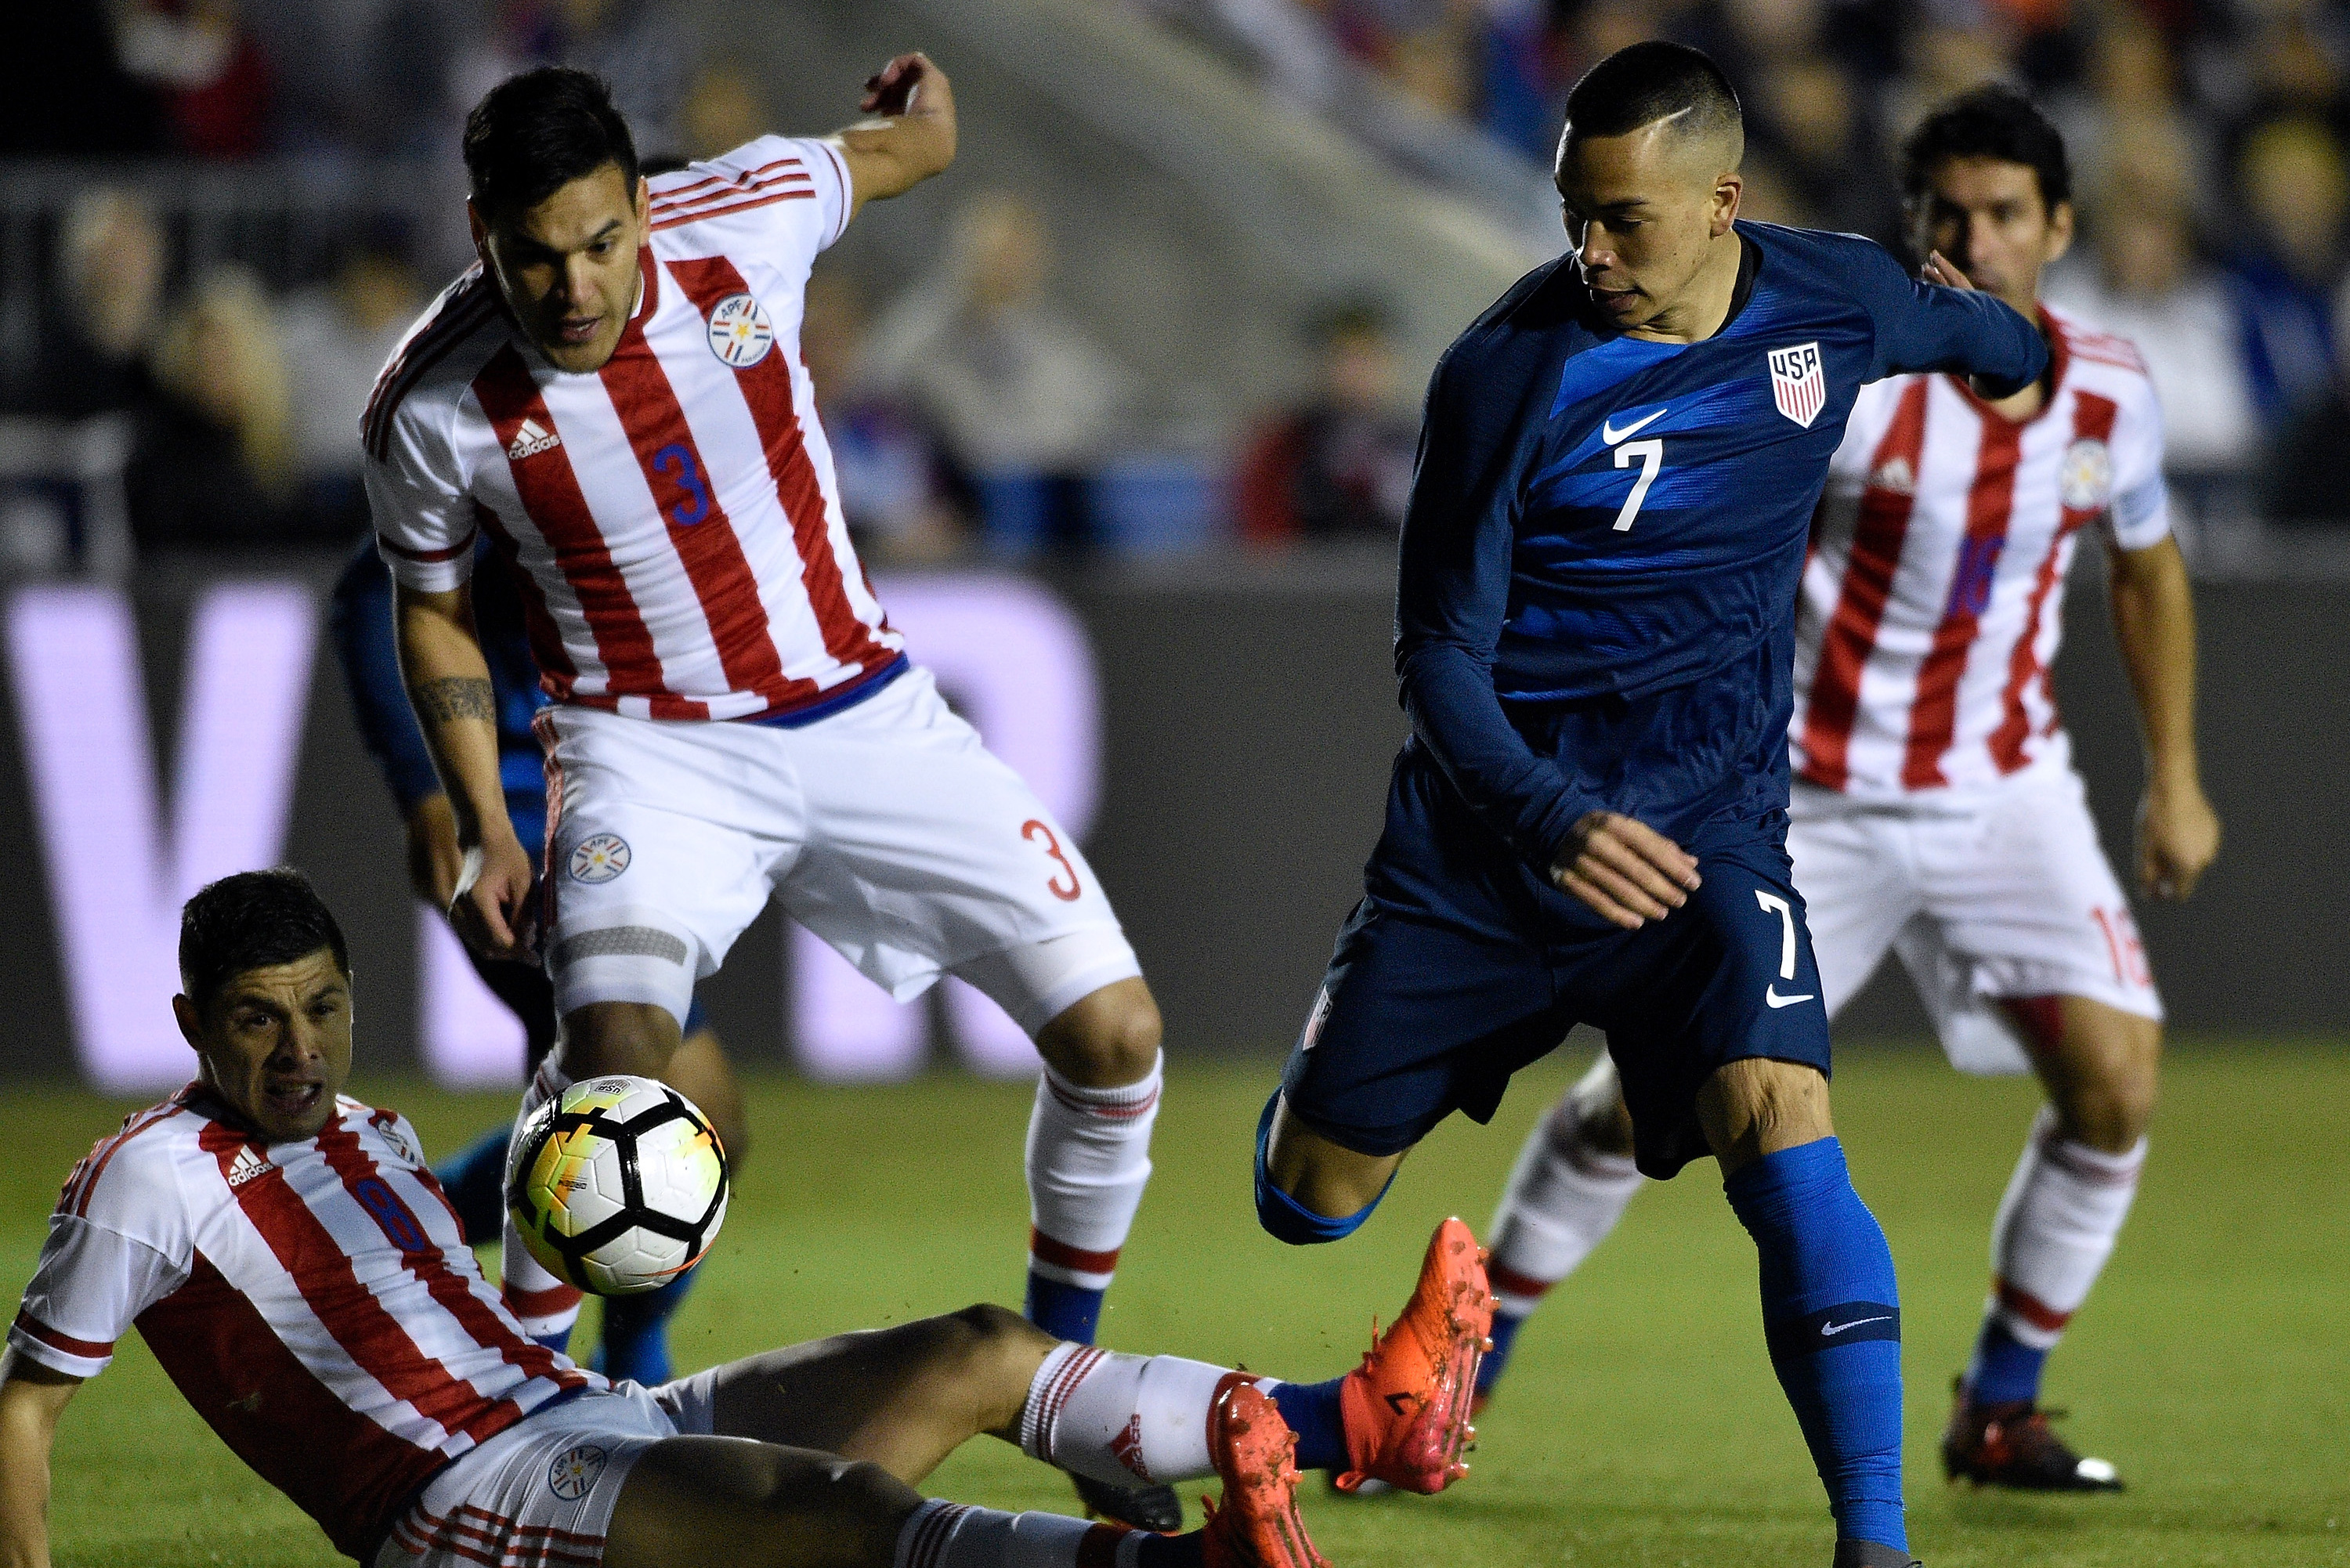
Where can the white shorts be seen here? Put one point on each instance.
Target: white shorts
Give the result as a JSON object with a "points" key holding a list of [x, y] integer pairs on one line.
{"points": [[1984, 897], [540, 1493], [887, 829]]}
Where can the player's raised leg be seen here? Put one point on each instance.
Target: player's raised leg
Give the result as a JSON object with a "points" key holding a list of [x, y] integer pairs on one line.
{"points": [[1573, 1180], [692, 1500], [2057, 1225]]}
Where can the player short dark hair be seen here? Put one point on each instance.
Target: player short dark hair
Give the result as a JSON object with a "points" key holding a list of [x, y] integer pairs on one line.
{"points": [[251, 921], [1994, 121], [534, 133], [1643, 83]]}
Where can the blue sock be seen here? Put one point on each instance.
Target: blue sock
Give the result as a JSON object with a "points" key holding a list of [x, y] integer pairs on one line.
{"points": [[1834, 1320], [636, 1332], [2005, 1370], [1503, 1333], [1063, 1310], [1289, 1221], [1312, 1413], [475, 1183]]}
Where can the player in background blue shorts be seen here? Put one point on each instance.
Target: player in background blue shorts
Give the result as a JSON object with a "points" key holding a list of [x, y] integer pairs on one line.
{"points": [[1595, 640], [635, 1338]]}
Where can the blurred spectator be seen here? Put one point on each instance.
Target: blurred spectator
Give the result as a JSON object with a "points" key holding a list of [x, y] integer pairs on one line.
{"points": [[95, 334], [2149, 286], [1340, 466], [214, 464], [724, 109], [2295, 191], [78, 99], [639, 47], [1024, 400], [200, 59], [893, 485], [1806, 116], [335, 339]]}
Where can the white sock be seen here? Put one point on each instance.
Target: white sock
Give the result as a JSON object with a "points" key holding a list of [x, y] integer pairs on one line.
{"points": [[942, 1534], [2056, 1227], [1118, 1418], [1564, 1198], [546, 1306], [1089, 1159]]}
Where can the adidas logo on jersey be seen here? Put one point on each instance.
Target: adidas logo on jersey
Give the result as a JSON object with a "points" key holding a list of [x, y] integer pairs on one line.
{"points": [[531, 440], [247, 1164], [1894, 474]]}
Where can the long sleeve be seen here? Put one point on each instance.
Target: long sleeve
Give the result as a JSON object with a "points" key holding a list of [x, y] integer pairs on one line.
{"points": [[360, 624], [1925, 327], [1451, 598]]}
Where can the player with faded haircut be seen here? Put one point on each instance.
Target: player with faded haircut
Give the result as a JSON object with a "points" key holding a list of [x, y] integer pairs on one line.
{"points": [[1596, 631], [1935, 807], [614, 397]]}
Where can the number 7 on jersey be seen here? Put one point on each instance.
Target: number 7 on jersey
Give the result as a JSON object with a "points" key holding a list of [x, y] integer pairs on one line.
{"points": [[1651, 453]]}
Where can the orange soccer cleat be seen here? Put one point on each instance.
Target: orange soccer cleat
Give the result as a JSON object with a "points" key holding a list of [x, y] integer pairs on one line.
{"points": [[1407, 1408], [1257, 1524]]}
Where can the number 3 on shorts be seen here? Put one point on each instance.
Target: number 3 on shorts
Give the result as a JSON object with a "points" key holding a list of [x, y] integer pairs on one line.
{"points": [[1031, 830]]}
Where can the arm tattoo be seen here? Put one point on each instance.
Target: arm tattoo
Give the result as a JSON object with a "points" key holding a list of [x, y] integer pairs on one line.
{"points": [[457, 698]]}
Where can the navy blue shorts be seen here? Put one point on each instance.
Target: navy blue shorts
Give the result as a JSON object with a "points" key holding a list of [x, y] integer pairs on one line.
{"points": [[1462, 964]]}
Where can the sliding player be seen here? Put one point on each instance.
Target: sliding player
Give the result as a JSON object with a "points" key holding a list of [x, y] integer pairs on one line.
{"points": [[1935, 809], [634, 1339], [290, 1261], [1595, 635], [616, 397]]}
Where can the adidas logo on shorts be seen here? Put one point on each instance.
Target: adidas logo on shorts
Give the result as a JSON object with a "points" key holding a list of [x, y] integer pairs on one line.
{"points": [[531, 440]]}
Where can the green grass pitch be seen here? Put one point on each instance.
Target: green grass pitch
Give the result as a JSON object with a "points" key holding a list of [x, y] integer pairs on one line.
{"points": [[1641, 1425]]}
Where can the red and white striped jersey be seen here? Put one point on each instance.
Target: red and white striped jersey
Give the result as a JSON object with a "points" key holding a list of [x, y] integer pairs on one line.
{"points": [[316, 1302], [1932, 599], [674, 515]]}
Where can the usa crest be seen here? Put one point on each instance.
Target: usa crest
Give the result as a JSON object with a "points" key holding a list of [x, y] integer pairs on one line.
{"points": [[1799, 385], [740, 333], [599, 858]]}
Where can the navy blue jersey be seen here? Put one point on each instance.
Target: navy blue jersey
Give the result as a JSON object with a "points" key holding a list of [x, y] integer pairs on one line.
{"points": [[362, 626], [1595, 607]]}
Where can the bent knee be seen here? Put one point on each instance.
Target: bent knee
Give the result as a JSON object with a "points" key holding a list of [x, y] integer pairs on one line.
{"points": [[1108, 1039], [987, 1329], [1602, 1122], [638, 1037], [2110, 1109]]}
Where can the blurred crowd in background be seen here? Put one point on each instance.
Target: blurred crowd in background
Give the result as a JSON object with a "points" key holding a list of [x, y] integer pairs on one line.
{"points": [[971, 414]]}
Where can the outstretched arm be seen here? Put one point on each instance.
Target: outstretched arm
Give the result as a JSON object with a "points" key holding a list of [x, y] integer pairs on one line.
{"points": [[2153, 622], [1945, 324], [911, 133], [32, 1398], [449, 686]]}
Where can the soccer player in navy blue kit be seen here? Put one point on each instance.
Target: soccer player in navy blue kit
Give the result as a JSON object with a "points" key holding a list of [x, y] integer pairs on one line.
{"points": [[635, 1338], [1595, 636]]}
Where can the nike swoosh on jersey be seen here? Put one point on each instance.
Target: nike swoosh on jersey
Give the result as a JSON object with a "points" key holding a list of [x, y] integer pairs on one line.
{"points": [[1611, 435], [1828, 1330], [1771, 994]]}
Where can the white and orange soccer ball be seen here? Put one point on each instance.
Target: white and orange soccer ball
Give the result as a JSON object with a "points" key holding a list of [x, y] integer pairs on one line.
{"points": [[618, 1185]]}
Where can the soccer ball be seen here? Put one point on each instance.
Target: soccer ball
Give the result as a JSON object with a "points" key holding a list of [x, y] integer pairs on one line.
{"points": [[618, 1185]]}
